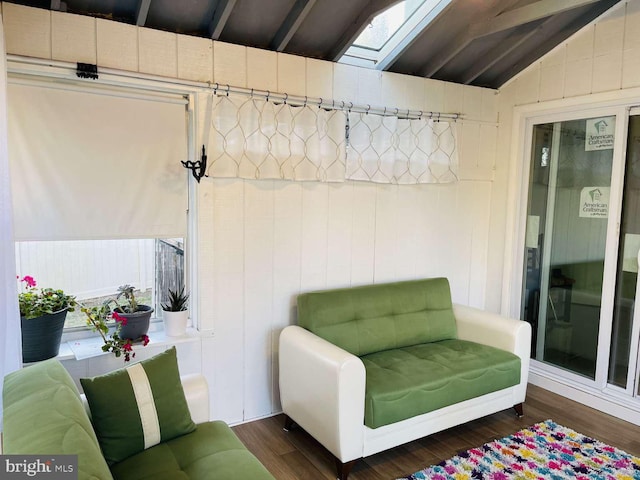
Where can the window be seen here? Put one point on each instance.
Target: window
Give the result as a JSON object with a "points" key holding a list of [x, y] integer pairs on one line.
{"points": [[92, 270], [392, 31], [99, 195]]}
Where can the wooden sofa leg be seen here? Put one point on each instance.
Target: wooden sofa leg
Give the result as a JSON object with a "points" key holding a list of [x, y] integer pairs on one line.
{"points": [[519, 408], [344, 468]]}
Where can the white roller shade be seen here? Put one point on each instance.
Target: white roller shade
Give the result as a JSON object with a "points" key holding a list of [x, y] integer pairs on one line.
{"points": [[87, 165]]}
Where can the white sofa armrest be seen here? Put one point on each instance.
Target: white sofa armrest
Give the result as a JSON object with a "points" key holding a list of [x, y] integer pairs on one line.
{"points": [[500, 332], [196, 391], [322, 389]]}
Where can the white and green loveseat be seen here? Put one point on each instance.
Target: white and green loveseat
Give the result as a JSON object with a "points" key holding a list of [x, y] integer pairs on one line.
{"points": [[369, 368]]}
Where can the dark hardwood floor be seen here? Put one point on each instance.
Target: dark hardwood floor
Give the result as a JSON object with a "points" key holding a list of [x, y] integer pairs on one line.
{"points": [[295, 455]]}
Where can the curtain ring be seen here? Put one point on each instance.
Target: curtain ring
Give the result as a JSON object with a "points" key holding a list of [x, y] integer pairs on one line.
{"points": [[342, 105], [385, 111], [286, 95], [268, 93], [228, 88], [305, 101], [320, 103], [350, 106], [420, 115], [408, 112], [396, 114], [215, 89], [368, 108], [252, 93]]}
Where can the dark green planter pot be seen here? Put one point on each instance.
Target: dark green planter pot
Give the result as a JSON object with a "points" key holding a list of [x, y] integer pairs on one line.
{"points": [[137, 323], [41, 336]]}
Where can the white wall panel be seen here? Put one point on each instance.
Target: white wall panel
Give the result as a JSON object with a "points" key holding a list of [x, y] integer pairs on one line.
{"points": [[73, 38], [313, 257], [386, 236], [229, 64], [292, 74], [258, 296], [262, 69], [27, 31], [287, 239], [339, 235], [117, 45], [158, 52], [195, 58], [363, 233], [228, 274]]}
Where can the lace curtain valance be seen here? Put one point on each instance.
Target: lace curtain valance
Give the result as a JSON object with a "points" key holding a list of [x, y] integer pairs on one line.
{"points": [[395, 150], [258, 139]]}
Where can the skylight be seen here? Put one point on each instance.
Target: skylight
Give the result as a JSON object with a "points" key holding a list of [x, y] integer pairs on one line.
{"points": [[383, 26], [391, 31]]}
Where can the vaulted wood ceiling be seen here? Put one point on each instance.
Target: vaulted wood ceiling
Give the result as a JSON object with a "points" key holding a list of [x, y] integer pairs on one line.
{"points": [[476, 42]]}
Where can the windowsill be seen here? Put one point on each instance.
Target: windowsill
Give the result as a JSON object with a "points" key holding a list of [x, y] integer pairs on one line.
{"points": [[90, 347]]}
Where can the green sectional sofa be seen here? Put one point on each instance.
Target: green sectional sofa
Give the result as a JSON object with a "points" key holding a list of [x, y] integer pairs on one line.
{"points": [[45, 414], [369, 368]]}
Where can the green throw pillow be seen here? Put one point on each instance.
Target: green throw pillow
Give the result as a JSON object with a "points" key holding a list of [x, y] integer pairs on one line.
{"points": [[139, 406]]}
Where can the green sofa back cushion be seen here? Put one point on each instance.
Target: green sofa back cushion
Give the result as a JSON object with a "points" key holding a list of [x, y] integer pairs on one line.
{"points": [[43, 414], [372, 318], [137, 407]]}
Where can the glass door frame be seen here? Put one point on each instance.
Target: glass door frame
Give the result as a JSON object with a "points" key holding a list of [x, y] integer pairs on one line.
{"points": [[524, 122]]}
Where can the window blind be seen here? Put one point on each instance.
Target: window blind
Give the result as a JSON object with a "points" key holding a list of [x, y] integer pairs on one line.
{"points": [[87, 164]]}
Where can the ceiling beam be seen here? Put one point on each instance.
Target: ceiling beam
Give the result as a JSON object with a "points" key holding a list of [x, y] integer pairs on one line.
{"points": [[220, 17], [505, 21], [357, 26], [58, 6], [445, 56], [290, 26], [143, 11], [598, 9], [505, 48], [529, 13]]}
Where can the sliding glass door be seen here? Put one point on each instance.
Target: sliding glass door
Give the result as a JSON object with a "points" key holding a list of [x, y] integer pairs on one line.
{"points": [[566, 237], [623, 359]]}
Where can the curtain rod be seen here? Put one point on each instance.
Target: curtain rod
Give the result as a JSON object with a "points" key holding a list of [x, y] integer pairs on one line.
{"points": [[66, 70], [299, 100]]}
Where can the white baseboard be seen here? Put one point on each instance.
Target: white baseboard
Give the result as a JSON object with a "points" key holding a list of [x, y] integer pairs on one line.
{"points": [[617, 407]]}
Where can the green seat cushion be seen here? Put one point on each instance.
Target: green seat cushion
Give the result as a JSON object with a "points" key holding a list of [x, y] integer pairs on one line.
{"points": [[43, 414], [410, 381], [211, 452], [139, 406], [367, 319]]}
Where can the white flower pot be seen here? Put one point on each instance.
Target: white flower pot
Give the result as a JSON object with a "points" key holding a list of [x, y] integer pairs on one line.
{"points": [[175, 323]]}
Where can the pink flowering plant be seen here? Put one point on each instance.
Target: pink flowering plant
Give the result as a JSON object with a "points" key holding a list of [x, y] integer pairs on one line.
{"points": [[36, 302], [99, 317]]}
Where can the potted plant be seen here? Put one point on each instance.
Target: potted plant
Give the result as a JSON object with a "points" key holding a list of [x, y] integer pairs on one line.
{"points": [[175, 313], [137, 315], [97, 318], [43, 312]]}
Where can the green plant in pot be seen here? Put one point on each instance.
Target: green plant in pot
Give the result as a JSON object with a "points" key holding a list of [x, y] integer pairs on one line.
{"points": [[43, 312], [174, 313], [98, 318], [137, 315]]}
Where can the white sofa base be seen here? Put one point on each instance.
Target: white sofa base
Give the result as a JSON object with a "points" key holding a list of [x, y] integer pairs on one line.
{"points": [[383, 438]]}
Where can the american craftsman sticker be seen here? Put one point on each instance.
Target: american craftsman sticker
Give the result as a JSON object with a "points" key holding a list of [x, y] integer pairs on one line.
{"points": [[594, 202], [599, 134]]}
